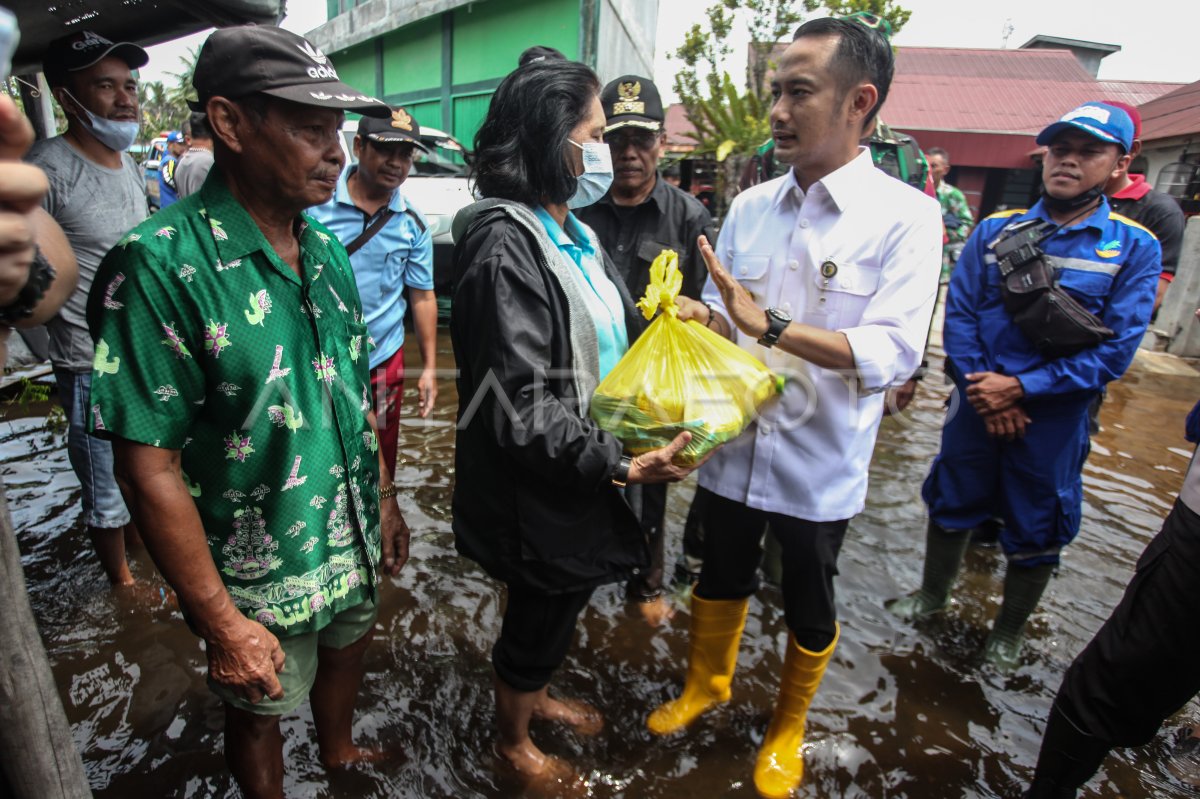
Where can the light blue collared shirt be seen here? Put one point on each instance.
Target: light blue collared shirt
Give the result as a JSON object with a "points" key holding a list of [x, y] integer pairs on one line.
{"points": [[601, 294], [399, 255]]}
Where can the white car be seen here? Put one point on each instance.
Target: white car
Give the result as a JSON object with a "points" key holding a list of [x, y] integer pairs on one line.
{"points": [[437, 186]]}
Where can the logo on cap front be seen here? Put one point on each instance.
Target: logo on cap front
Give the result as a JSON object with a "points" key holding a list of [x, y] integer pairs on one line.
{"points": [[314, 53], [1097, 113], [324, 70], [402, 120], [90, 40], [629, 93]]}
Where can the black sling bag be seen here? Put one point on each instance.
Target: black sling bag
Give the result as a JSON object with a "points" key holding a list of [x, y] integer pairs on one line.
{"points": [[1053, 321], [370, 232]]}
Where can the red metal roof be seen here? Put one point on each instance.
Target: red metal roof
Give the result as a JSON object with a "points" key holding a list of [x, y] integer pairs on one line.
{"points": [[1008, 91], [678, 128], [1174, 114], [985, 106]]}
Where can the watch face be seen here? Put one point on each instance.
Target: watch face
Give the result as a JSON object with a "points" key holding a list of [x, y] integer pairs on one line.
{"points": [[782, 316]]}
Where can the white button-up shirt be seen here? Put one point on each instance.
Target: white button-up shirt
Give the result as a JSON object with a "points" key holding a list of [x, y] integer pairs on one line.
{"points": [[860, 253]]}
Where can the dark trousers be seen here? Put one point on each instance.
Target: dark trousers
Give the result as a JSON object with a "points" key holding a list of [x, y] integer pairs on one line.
{"points": [[649, 502], [1142, 665], [535, 636], [733, 550]]}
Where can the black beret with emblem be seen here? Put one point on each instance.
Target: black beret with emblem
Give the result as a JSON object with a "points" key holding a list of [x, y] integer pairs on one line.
{"points": [[632, 101], [399, 127], [249, 59]]}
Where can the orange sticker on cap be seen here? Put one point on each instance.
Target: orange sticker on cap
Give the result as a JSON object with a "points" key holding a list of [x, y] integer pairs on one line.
{"points": [[401, 119]]}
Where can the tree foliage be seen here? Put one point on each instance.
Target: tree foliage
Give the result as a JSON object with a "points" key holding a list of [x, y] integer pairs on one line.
{"points": [[888, 9], [732, 120], [159, 111], [183, 90]]}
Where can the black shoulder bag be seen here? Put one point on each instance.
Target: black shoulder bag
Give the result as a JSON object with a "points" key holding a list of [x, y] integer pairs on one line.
{"points": [[1053, 321], [370, 232]]}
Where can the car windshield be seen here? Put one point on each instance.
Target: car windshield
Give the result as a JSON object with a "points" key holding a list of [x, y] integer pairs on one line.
{"points": [[445, 158]]}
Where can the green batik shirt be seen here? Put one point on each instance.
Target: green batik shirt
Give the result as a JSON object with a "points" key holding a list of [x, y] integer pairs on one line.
{"points": [[207, 342], [954, 203]]}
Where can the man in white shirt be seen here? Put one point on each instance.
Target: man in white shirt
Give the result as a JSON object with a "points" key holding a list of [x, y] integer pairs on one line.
{"points": [[852, 255]]}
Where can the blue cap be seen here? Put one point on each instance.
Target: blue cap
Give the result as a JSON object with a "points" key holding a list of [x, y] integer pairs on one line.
{"points": [[1106, 122], [175, 137]]}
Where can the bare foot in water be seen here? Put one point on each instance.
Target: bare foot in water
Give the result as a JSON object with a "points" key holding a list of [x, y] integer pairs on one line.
{"points": [[580, 716], [539, 775], [141, 595], [356, 755], [657, 612]]}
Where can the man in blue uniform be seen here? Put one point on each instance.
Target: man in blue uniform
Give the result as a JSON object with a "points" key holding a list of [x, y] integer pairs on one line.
{"points": [[392, 254], [1014, 378], [176, 146]]}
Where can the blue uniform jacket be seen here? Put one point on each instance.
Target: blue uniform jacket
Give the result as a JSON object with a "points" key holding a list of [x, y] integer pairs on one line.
{"points": [[1110, 264]]}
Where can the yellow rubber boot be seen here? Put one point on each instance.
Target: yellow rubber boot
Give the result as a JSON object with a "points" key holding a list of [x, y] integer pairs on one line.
{"points": [[713, 644], [780, 765]]}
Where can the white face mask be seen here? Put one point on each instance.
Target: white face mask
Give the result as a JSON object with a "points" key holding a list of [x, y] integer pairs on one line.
{"points": [[114, 135], [597, 174]]}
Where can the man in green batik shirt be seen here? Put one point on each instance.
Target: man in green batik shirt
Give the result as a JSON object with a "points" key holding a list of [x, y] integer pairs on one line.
{"points": [[231, 374], [956, 214]]}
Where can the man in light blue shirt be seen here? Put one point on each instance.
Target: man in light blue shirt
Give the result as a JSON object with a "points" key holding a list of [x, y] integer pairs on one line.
{"points": [[390, 250]]}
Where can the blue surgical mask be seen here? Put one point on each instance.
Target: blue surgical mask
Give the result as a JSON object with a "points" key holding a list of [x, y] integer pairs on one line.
{"points": [[597, 174], [114, 135]]}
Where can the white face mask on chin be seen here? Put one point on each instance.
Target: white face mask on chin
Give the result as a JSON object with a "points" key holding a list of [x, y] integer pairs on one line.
{"points": [[114, 135], [597, 174]]}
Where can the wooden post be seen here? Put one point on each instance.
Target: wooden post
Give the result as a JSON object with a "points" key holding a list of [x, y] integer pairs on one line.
{"points": [[38, 759]]}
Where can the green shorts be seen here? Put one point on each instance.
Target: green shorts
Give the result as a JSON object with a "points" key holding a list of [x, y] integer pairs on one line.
{"points": [[300, 667]]}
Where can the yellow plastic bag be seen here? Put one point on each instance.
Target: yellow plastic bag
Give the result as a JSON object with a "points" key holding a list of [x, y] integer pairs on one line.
{"points": [[680, 376]]}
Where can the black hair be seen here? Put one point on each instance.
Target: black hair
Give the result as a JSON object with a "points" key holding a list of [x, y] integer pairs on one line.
{"points": [[197, 126], [519, 148], [938, 151], [862, 54], [539, 52]]}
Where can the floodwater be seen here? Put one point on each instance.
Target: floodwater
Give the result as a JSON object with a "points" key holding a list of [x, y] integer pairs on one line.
{"points": [[904, 711]]}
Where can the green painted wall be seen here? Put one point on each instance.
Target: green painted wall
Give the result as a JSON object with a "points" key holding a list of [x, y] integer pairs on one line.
{"points": [[484, 41], [412, 57], [356, 66], [488, 37], [427, 114], [469, 112]]}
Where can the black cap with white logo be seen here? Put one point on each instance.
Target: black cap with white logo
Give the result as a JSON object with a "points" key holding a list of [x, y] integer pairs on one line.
{"points": [[81, 49], [249, 59], [399, 127], [632, 101]]}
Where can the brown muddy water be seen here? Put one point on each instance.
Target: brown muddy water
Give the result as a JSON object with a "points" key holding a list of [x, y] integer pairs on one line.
{"points": [[904, 711]]}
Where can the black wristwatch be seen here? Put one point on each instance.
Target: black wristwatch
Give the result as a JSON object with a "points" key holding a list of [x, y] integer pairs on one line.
{"points": [[41, 275], [777, 322], [620, 473]]}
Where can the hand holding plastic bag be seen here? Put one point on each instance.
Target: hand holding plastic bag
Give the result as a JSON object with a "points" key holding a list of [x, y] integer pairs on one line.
{"points": [[680, 376]]}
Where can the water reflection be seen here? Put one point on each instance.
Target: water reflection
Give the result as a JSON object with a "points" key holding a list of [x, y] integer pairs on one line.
{"points": [[905, 711]]}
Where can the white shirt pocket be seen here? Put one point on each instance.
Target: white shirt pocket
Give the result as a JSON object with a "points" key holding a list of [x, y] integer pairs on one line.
{"points": [[841, 297], [751, 270]]}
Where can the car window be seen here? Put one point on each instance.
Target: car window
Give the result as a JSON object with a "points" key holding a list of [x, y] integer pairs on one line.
{"points": [[444, 159]]}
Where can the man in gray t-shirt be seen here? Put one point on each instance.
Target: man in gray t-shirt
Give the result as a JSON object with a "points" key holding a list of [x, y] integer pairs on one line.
{"points": [[194, 165], [97, 194]]}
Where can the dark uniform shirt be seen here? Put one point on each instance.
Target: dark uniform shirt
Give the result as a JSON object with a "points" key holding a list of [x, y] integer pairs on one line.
{"points": [[634, 235], [1157, 211]]}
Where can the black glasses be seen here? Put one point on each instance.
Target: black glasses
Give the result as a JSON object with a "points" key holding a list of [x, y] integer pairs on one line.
{"points": [[641, 139]]}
